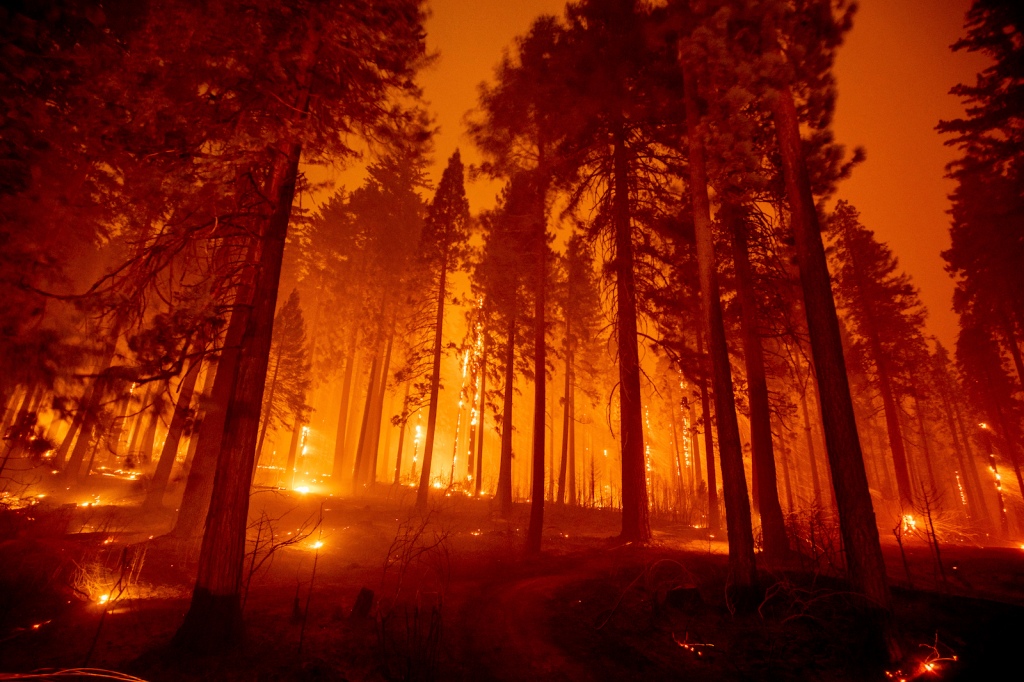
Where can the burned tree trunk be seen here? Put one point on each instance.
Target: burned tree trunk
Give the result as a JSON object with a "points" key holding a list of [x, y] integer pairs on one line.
{"points": [[214, 618], [773, 526], [636, 525], [856, 515], [742, 569]]}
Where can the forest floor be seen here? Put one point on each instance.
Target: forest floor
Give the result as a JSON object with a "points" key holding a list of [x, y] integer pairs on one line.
{"points": [[455, 598]]}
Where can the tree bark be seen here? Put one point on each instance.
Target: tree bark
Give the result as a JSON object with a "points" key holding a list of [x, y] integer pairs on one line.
{"points": [[773, 526], [742, 568], [358, 471], [856, 515], [636, 525]]}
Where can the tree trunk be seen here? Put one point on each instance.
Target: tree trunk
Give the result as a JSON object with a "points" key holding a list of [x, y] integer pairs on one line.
{"points": [[401, 437], [742, 569], [536, 528], [572, 444], [378, 415], [636, 525], [149, 434], [773, 526], [925, 449], [158, 486], [359, 470], [504, 491], [856, 515], [341, 440], [214, 618], [293, 449], [423, 494], [976, 509], [564, 462], [714, 519], [483, 424]]}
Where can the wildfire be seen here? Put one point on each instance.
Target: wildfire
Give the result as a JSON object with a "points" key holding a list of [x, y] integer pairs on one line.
{"points": [[909, 523]]}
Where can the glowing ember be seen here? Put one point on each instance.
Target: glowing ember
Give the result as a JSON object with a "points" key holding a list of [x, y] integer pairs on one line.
{"points": [[317, 545], [103, 598], [302, 489]]}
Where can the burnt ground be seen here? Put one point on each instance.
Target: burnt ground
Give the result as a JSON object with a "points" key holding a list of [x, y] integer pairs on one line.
{"points": [[459, 601]]}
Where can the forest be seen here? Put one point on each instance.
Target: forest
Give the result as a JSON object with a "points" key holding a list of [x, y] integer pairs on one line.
{"points": [[278, 402]]}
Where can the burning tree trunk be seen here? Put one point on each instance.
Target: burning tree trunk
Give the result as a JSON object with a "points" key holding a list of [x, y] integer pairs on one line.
{"points": [[742, 569], [480, 419], [856, 515], [635, 520], [773, 526]]}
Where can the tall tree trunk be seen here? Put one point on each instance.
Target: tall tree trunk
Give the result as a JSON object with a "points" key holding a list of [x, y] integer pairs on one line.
{"points": [[564, 462], [680, 468], [214, 618], [378, 415], [401, 437], [976, 508], [773, 526], [697, 477], [359, 470], [572, 444], [742, 569], [540, 370], [856, 515], [812, 456], [636, 526], [158, 486], [926, 451], [481, 413], [714, 519], [504, 491], [293, 449], [423, 494], [341, 440]]}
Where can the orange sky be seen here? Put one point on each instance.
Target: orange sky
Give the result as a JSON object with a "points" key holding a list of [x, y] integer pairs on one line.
{"points": [[894, 74]]}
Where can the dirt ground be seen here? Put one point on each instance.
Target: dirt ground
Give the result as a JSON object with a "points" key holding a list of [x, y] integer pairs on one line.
{"points": [[454, 598]]}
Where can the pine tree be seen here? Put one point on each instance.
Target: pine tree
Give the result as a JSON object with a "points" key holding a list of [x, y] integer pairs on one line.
{"points": [[442, 250]]}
